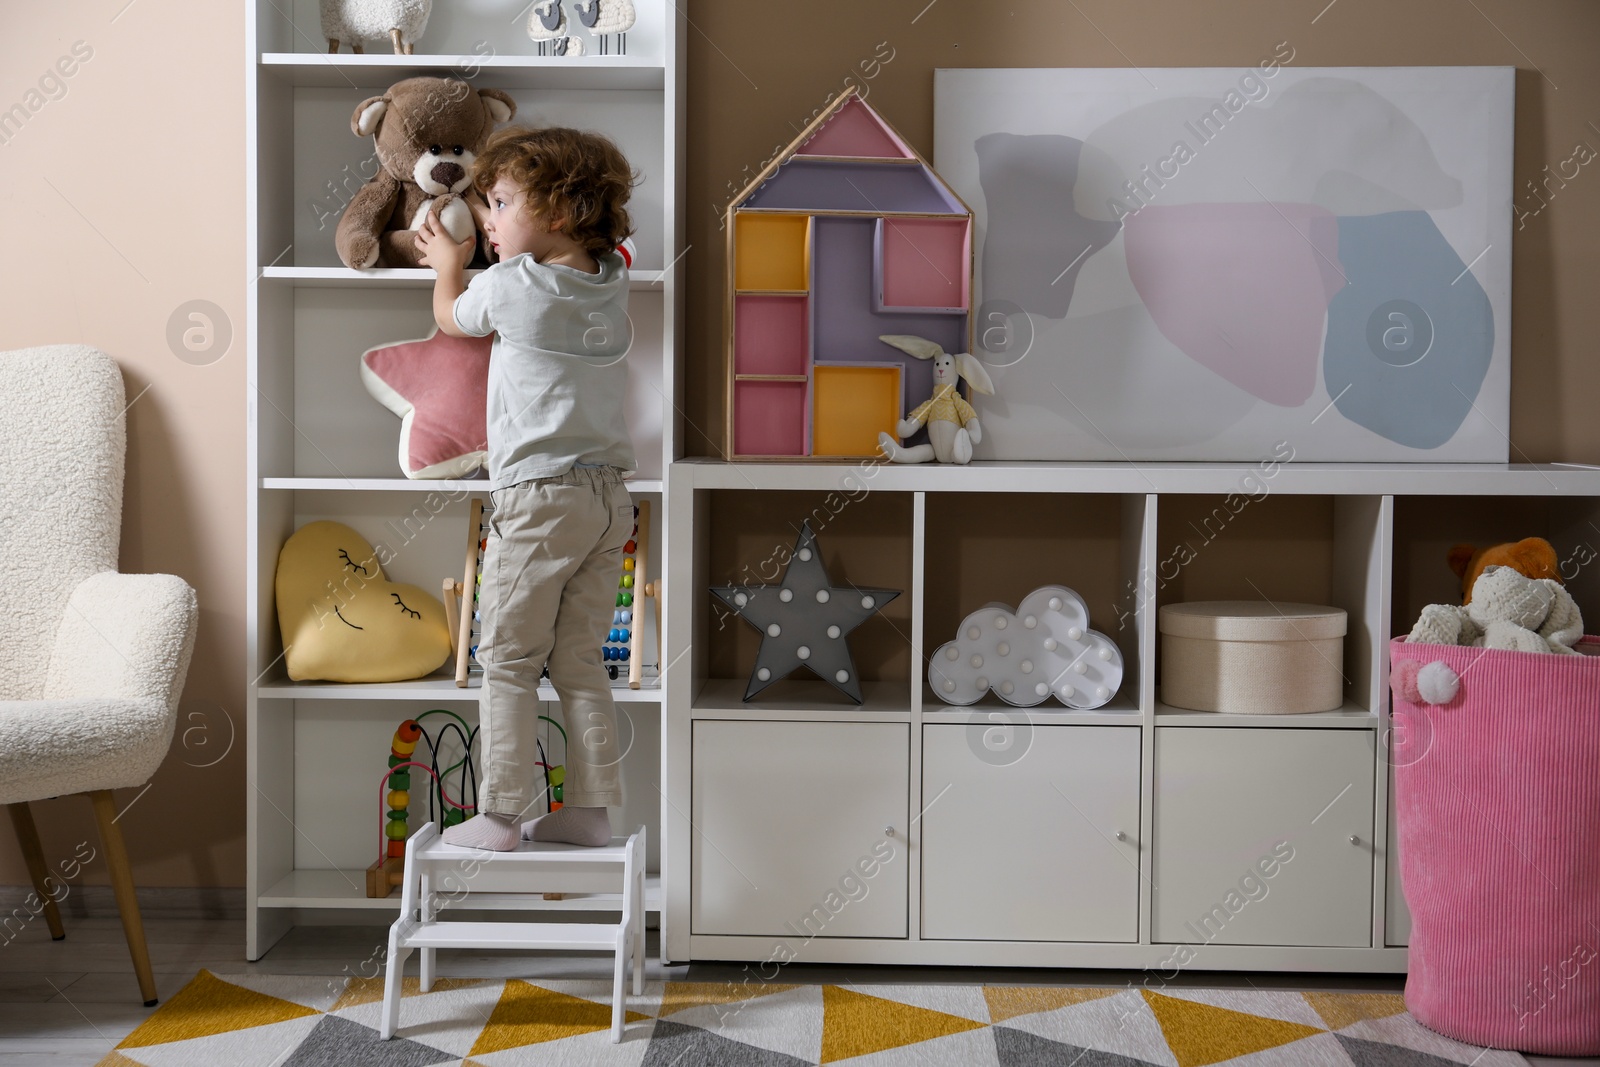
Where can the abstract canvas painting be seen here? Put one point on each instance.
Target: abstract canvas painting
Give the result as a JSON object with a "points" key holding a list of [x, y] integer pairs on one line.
{"points": [[1201, 264]]}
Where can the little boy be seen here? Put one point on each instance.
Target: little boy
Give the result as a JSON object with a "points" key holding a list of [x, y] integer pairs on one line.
{"points": [[558, 452]]}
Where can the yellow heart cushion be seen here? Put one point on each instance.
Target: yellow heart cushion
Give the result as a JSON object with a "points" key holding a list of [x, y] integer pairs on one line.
{"points": [[342, 621]]}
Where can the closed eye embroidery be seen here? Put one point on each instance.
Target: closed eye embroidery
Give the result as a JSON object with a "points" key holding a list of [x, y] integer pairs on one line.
{"points": [[353, 565], [402, 603]]}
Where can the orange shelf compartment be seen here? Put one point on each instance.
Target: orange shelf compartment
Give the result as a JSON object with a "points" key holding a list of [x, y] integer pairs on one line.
{"points": [[771, 251], [851, 404]]}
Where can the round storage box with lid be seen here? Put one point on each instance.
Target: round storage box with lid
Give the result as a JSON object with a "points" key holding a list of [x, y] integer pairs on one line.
{"points": [[1252, 657]]}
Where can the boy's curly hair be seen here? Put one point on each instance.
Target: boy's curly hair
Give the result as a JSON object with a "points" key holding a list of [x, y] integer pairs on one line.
{"points": [[563, 171]]}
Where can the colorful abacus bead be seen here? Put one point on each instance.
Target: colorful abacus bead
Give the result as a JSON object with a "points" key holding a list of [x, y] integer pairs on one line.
{"points": [[405, 739]]}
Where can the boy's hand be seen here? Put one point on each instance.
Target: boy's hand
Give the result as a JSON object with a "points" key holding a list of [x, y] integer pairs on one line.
{"points": [[441, 251]]}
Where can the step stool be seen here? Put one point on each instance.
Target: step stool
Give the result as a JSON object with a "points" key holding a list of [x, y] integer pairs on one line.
{"points": [[439, 876]]}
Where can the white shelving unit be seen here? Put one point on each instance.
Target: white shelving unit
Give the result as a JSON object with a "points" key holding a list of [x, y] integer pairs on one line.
{"points": [[1111, 803], [320, 447]]}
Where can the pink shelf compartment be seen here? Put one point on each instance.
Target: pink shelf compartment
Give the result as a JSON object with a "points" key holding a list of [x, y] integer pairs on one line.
{"points": [[922, 265], [771, 334], [854, 132], [771, 418]]}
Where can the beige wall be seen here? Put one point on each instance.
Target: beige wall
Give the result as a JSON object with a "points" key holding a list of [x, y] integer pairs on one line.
{"points": [[121, 199], [99, 255]]}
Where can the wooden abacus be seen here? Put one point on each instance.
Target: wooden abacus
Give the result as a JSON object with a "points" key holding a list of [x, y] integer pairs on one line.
{"points": [[622, 640]]}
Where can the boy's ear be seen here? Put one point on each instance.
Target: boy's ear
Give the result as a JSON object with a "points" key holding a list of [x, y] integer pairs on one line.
{"points": [[364, 123], [497, 104]]}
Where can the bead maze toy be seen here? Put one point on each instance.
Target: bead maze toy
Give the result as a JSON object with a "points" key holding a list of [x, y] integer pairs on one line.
{"points": [[622, 643], [395, 793]]}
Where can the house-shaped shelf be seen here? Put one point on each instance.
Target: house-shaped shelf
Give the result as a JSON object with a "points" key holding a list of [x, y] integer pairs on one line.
{"points": [[845, 235]]}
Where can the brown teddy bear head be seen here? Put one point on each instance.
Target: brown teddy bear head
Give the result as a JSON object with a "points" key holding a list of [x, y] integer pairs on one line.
{"points": [[429, 130], [1532, 556]]}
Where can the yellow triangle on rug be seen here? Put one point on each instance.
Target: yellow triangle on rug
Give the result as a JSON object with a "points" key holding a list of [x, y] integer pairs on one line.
{"points": [[1008, 1002], [116, 1059], [1199, 1034], [1339, 1010], [208, 1006], [854, 1024], [680, 996], [364, 990], [528, 1015]]}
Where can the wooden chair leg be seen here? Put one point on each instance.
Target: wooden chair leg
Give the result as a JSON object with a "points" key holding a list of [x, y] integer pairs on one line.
{"points": [[33, 855], [105, 813]]}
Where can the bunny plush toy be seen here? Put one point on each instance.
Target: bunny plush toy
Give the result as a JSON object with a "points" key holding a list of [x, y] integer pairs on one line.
{"points": [[952, 423]]}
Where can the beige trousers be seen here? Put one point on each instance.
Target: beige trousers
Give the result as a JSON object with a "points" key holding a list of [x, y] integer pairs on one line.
{"points": [[551, 569]]}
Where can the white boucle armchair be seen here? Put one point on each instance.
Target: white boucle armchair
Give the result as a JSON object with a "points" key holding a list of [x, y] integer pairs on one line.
{"points": [[92, 662]]}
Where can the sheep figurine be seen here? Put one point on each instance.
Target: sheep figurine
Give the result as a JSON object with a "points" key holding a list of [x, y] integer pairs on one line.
{"points": [[606, 17], [547, 24], [357, 21], [952, 423]]}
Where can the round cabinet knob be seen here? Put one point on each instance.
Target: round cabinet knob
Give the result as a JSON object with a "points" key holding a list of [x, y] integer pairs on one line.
{"points": [[889, 831], [1121, 836], [1354, 840]]}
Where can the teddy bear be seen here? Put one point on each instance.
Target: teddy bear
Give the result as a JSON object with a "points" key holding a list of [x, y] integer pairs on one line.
{"points": [[1533, 556], [1507, 610], [427, 132]]}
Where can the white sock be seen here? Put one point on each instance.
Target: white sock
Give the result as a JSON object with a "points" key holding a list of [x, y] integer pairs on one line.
{"points": [[574, 825], [497, 833]]}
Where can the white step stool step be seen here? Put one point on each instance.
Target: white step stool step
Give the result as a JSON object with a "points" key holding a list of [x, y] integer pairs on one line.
{"points": [[440, 876], [573, 937]]}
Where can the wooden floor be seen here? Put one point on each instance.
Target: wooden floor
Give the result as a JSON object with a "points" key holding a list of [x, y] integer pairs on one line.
{"points": [[70, 1002]]}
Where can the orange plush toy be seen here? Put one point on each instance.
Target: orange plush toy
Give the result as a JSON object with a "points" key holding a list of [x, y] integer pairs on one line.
{"points": [[1532, 556]]}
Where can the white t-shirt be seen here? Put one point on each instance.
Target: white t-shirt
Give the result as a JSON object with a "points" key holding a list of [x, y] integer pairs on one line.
{"points": [[558, 379]]}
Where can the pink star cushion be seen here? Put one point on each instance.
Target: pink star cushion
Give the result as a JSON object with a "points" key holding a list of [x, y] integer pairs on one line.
{"points": [[438, 386]]}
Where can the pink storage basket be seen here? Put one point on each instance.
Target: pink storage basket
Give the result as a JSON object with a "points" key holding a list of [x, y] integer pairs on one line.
{"points": [[1497, 794]]}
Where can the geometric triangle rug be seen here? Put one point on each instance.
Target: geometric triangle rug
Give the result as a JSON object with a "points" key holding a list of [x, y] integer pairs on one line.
{"points": [[294, 1021]]}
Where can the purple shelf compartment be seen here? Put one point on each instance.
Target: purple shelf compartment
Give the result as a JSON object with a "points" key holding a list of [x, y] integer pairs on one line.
{"points": [[869, 187], [922, 265], [845, 323], [771, 334]]}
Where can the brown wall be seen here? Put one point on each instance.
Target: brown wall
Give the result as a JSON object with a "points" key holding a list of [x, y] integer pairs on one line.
{"points": [[758, 72], [104, 256]]}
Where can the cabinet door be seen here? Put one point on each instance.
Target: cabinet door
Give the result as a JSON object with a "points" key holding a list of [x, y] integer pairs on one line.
{"points": [[1263, 836], [800, 828], [1019, 839]]}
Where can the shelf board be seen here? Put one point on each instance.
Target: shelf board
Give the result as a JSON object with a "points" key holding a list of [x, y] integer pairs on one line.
{"points": [[994, 476], [406, 278], [418, 485], [1120, 711], [437, 687], [348, 889], [788, 697], [1350, 717], [379, 70]]}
